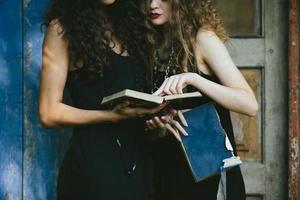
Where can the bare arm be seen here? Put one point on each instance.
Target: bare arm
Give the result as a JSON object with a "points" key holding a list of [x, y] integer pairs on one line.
{"points": [[233, 93], [53, 112]]}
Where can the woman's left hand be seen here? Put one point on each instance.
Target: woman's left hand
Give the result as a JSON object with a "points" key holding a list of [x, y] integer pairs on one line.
{"points": [[176, 83], [167, 121]]}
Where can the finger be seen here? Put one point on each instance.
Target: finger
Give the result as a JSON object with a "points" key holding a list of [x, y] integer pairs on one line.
{"points": [[174, 84], [152, 124], [125, 104], [158, 108], [174, 132], [173, 111], [182, 118], [162, 94], [179, 86], [146, 111], [160, 89], [185, 110], [149, 126], [166, 119], [158, 122], [166, 88], [179, 127]]}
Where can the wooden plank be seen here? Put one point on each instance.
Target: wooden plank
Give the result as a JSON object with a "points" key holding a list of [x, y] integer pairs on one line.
{"points": [[275, 109], [41, 146], [294, 136], [247, 52], [256, 184], [10, 100]]}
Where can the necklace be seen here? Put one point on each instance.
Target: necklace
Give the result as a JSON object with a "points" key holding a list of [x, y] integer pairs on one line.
{"points": [[158, 64]]}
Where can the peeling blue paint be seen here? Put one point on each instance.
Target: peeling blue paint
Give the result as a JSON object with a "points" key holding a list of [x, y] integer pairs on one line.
{"points": [[29, 154], [10, 100], [41, 146]]}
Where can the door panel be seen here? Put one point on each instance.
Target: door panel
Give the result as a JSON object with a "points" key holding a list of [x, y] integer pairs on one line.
{"points": [[258, 47], [247, 129], [243, 18]]}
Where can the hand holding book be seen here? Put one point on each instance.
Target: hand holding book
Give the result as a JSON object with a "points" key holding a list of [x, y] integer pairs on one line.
{"points": [[173, 85], [124, 111], [145, 100], [171, 92]]}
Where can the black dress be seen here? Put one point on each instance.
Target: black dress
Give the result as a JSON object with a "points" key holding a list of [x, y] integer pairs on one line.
{"points": [[173, 179], [105, 161]]}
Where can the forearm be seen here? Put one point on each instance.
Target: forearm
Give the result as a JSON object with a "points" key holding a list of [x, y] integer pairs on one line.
{"points": [[64, 115], [235, 99]]}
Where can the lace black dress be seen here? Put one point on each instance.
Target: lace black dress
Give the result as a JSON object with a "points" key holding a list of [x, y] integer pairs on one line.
{"points": [[106, 161], [173, 179]]}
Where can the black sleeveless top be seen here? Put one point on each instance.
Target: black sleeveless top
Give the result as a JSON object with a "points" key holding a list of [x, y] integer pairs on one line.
{"points": [[106, 160], [172, 176]]}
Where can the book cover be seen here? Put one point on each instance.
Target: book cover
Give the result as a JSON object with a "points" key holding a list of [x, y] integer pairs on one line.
{"points": [[207, 148]]}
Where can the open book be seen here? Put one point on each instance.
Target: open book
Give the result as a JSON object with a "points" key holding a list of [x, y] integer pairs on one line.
{"points": [[141, 99]]}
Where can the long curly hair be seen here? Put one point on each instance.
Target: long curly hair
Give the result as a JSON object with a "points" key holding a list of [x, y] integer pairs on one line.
{"points": [[85, 26], [187, 18]]}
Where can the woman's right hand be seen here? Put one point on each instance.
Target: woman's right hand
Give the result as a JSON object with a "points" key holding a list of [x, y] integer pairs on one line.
{"points": [[124, 111]]}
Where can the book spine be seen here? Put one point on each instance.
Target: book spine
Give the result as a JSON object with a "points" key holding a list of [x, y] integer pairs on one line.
{"points": [[189, 162]]}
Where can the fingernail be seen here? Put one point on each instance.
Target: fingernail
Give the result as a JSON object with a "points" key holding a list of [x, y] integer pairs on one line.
{"points": [[185, 133], [178, 138]]}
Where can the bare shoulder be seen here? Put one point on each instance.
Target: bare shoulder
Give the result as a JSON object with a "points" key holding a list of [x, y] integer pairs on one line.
{"points": [[54, 37], [56, 27], [55, 47], [54, 33], [205, 33], [206, 37]]}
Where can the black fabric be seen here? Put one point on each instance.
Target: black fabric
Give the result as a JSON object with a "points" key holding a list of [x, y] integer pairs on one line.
{"points": [[173, 179], [105, 161]]}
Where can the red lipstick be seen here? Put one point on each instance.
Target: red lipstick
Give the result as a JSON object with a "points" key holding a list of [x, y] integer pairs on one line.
{"points": [[154, 15]]}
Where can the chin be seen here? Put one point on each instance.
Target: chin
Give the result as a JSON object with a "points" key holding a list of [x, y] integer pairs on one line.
{"points": [[107, 2], [158, 22]]}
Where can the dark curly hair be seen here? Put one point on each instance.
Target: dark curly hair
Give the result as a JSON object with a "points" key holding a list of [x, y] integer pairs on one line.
{"points": [[85, 26]]}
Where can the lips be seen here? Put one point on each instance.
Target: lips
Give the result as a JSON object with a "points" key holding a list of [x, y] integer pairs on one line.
{"points": [[154, 15]]}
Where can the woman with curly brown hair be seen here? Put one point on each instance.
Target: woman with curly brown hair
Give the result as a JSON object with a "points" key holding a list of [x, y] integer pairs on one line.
{"points": [[188, 53], [94, 48]]}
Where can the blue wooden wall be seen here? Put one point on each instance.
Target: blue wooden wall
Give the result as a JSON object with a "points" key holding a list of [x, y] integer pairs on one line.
{"points": [[11, 119], [29, 154]]}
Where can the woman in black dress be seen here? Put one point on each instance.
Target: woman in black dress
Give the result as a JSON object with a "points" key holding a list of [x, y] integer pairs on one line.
{"points": [[95, 48], [188, 50]]}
